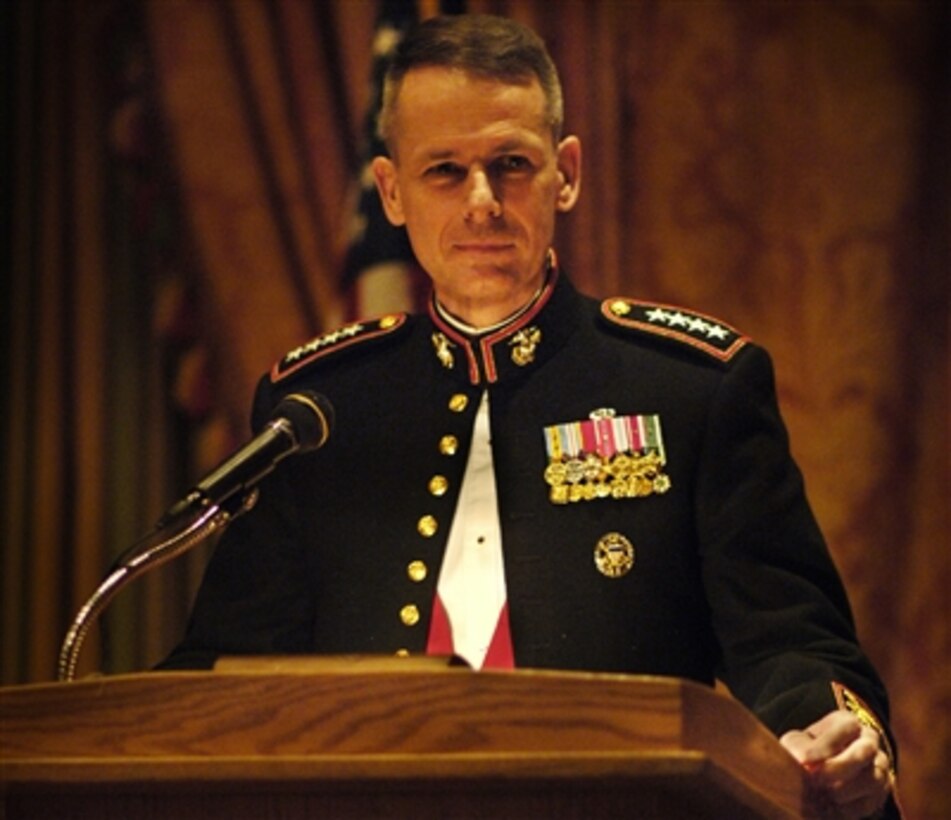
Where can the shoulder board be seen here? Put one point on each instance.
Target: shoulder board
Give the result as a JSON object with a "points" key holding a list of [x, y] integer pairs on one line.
{"points": [[703, 333], [330, 344]]}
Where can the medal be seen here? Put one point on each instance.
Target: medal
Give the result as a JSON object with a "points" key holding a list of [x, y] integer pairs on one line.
{"points": [[605, 456]]}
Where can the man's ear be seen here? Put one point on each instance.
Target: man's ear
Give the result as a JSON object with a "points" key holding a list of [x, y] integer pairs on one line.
{"points": [[569, 173], [384, 175]]}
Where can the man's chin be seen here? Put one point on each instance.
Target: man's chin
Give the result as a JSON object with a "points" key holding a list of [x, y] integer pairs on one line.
{"points": [[486, 271]]}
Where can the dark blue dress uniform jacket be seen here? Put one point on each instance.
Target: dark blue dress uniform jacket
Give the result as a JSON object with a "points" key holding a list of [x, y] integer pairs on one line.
{"points": [[731, 577]]}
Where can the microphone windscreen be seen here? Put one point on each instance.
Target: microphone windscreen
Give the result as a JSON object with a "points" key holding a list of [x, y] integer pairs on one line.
{"points": [[311, 415]]}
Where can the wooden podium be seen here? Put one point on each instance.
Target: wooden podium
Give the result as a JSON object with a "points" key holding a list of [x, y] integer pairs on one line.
{"points": [[364, 739]]}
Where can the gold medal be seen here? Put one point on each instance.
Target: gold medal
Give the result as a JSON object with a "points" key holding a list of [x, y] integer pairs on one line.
{"points": [[638, 486], [575, 471], [621, 466], [592, 467], [555, 473]]}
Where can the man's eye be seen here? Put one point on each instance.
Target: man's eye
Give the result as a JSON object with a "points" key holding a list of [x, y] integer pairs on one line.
{"points": [[445, 170], [512, 163]]}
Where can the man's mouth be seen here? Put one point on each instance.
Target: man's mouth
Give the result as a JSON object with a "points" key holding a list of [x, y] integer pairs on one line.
{"points": [[484, 247]]}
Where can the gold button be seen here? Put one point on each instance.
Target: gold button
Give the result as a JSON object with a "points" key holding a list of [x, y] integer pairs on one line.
{"points": [[458, 402], [402, 653], [409, 615], [448, 445], [427, 526], [438, 485], [388, 321], [416, 570], [620, 308]]}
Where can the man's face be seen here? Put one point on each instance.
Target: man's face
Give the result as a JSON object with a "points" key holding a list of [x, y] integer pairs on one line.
{"points": [[477, 180]]}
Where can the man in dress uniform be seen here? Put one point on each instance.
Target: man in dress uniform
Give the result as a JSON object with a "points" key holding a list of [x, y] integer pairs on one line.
{"points": [[524, 476]]}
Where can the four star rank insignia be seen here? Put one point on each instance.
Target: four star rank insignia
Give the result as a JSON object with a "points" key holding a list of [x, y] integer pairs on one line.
{"points": [[701, 332], [335, 342]]}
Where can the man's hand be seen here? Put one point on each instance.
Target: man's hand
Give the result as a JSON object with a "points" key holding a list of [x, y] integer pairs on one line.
{"points": [[846, 765]]}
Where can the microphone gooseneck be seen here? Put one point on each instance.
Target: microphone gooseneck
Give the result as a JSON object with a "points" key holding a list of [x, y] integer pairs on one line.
{"points": [[301, 422]]}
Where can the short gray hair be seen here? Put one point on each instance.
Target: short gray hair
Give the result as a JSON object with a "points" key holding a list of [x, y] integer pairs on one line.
{"points": [[489, 47]]}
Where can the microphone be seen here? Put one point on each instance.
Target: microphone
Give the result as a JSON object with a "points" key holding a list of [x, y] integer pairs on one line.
{"points": [[300, 422]]}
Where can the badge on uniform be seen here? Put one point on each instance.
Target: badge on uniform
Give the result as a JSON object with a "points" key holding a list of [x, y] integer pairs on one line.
{"points": [[614, 555], [605, 456]]}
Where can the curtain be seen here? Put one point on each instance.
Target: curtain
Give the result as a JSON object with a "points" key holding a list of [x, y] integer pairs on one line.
{"points": [[180, 187]]}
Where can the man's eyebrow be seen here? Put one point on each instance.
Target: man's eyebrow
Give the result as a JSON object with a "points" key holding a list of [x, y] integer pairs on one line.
{"points": [[437, 154], [512, 145]]}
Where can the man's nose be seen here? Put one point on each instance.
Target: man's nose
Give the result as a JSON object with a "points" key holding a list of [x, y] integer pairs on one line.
{"points": [[482, 203]]}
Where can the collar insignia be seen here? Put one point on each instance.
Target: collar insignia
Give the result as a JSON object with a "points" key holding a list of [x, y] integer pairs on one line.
{"points": [[443, 348], [478, 352], [523, 345]]}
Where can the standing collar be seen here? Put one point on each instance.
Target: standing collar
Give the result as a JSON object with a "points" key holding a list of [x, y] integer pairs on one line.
{"points": [[522, 342], [473, 332]]}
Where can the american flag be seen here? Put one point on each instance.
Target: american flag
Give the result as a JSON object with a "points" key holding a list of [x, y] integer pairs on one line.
{"points": [[380, 273]]}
